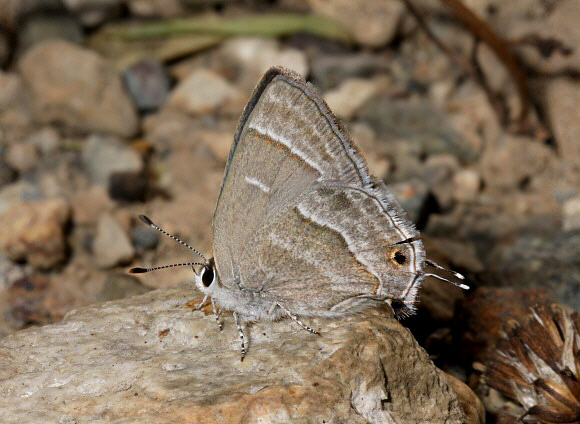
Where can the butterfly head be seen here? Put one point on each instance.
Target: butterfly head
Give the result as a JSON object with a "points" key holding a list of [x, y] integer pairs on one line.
{"points": [[405, 305], [206, 279]]}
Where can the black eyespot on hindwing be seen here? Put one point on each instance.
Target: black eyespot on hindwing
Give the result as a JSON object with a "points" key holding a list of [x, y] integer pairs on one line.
{"points": [[399, 257]]}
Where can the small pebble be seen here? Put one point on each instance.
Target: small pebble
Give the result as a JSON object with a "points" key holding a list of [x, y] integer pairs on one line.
{"points": [[347, 98], [46, 140], [571, 212], [34, 231], [466, 184], [144, 238], [39, 27], [105, 155], [22, 156], [148, 84], [89, 204], [77, 88], [111, 245], [128, 186], [204, 92]]}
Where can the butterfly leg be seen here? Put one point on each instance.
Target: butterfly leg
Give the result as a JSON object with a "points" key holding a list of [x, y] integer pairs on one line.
{"points": [[242, 338], [217, 314], [296, 320], [202, 304]]}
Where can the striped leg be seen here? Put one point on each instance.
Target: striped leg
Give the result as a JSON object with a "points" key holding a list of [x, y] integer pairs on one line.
{"points": [[202, 304], [242, 338], [300, 323], [217, 314]]}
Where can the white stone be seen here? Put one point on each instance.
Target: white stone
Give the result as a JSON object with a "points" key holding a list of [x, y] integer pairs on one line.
{"points": [[203, 92], [350, 95], [111, 245], [105, 155]]}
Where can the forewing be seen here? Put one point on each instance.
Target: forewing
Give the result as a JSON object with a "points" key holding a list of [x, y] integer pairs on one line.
{"points": [[287, 139]]}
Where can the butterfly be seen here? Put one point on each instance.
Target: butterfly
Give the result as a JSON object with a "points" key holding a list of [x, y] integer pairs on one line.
{"points": [[301, 229]]}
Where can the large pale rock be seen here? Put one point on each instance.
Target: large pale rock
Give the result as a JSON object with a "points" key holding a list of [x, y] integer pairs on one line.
{"points": [[151, 359], [74, 86]]}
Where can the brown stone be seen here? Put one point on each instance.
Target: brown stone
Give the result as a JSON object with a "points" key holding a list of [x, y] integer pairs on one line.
{"points": [[34, 231], [472, 406], [76, 87], [372, 23]]}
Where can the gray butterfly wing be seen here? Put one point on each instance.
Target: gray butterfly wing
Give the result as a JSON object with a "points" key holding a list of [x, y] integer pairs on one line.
{"points": [[287, 146], [286, 140], [336, 246]]}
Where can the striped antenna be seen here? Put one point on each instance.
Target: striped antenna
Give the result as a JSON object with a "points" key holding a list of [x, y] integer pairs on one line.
{"points": [[138, 270], [155, 227], [454, 273]]}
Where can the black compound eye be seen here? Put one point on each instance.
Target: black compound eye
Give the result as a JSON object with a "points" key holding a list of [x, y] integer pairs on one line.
{"points": [[207, 276]]}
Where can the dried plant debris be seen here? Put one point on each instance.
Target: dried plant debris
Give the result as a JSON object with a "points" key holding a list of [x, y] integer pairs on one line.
{"points": [[537, 364]]}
